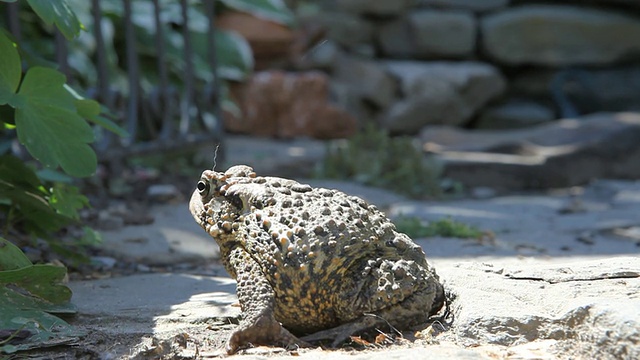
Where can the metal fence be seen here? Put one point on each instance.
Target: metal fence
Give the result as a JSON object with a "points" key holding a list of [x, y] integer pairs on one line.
{"points": [[160, 120]]}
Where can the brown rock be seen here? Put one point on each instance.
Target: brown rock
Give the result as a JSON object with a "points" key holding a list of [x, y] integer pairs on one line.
{"points": [[269, 40], [277, 103]]}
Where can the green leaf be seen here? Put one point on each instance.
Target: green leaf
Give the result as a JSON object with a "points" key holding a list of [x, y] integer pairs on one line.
{"points": [[42, 281], [57, 12], [274, 10], [10, 69], [87, 109], [67, 200], [21, 189], [30, 295], [109, 125], [33, 318], [11, 257], [31, 203], [53, 176], [14, 171], [49, 126], [91, 109], [90, 237]]}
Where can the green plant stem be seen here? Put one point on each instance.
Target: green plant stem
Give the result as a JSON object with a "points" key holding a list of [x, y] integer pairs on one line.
{"points": [[6, 341]]}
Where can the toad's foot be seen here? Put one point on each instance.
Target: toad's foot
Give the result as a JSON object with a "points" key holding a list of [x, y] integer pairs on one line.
{"points": [[342, 332], [263, 331]]}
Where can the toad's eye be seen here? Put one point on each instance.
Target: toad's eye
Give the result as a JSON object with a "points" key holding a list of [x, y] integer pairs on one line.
{"points": [[203, 188]]}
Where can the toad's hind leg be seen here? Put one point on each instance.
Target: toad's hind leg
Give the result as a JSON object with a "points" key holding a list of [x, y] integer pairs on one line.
{"points": [[399, 294], [257, 300], [408, 314], [342, 332]]}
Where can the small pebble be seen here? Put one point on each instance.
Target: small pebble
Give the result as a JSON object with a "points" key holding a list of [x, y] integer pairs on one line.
{"points": [[142, 268], [104, 262]]}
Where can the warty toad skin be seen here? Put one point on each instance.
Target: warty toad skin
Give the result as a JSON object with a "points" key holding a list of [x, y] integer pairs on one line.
{"points": [[311, 260]]}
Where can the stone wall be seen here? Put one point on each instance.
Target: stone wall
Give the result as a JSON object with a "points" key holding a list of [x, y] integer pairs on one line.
{"points": [[407, 64]]}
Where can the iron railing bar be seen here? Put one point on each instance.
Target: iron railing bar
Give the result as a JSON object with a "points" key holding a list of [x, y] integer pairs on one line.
{"points": [[169, 140], [13, 22], [185, 121], [132, 72], [62, 54], [167, 125], [213, 97], [104, 95], [101, 55]]}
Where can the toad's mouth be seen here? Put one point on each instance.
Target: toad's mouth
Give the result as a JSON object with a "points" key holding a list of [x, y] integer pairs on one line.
{"points": [[198, 209]]}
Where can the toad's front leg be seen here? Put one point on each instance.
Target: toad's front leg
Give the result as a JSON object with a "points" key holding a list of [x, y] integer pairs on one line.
{"points": [[257, 300]]}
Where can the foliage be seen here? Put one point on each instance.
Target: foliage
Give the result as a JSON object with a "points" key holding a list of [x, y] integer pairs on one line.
{"points": [[32, 295], [55, 125], [28, 204], [374, 158], [274, 10], [52, 122], [58, 13], [234, 55], [447, 227], [46, 117]]}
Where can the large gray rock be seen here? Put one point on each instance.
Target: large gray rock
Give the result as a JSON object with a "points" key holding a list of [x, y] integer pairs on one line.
{"points": [[442, 33], [560, 154], [440, 93], [372, 7], [518, 303], [368, 79], [429, 34], [347, 96], [514, 114], [560, 35], [346, 29], [474, 5], [323, 56], [582, 89], [621, 3], [394, 39]]}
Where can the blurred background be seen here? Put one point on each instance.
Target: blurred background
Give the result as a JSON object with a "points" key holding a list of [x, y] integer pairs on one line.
{"points": [[183, 74]]}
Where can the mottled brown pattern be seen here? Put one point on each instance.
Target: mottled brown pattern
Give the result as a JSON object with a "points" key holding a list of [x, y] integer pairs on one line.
{"points": [[311, 260]]}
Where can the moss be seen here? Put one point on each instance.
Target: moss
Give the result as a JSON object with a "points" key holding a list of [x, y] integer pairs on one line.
{"points": [[415, 228], [374, 158]]}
